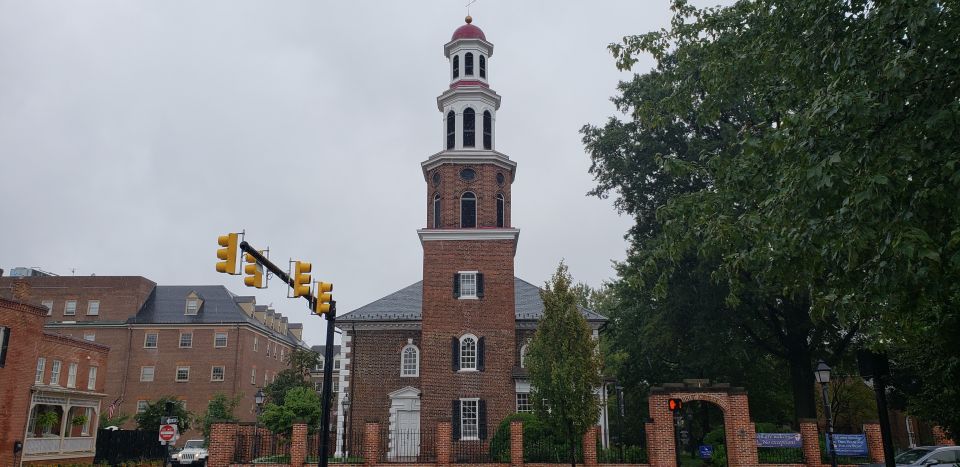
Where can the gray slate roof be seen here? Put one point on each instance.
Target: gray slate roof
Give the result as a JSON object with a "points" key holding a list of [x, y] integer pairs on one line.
{"points": [[406, 305], [320, 349], [167, 305]]}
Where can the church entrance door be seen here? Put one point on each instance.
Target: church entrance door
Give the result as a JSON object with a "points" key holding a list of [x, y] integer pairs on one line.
{"points": [[404, 424]]}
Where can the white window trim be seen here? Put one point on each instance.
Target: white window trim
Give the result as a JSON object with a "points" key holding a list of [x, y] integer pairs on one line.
{"points": [[90, 310], [226, 340], [92, 378], [188, 309], [66, 307], [469, 438], [55, 368], [253, 376], [41, 369], [88, 414], [142, 406], [256, 344], [156, 340], [72, 370], [476, 353], [90, 336], [176, 375], [49, 305], [416, 367], [529, 404], [153, 374], [183, 333], [462, 295], [523, 355], [223, 373]]}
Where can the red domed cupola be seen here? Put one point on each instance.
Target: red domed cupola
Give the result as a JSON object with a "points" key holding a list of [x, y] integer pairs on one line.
{"points": [[468, 31]]}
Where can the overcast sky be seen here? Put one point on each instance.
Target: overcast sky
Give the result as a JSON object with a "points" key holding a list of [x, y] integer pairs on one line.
{"points": [[132, 133]]}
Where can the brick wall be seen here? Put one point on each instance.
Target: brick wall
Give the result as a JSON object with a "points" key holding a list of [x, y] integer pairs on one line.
{"points": [[16, 376], [376, 372], [485, 187], [120, 296]]}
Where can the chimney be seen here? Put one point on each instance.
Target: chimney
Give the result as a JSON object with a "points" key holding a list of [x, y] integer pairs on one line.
{"points": [[21, 290], [284, 325], [297, 330]]}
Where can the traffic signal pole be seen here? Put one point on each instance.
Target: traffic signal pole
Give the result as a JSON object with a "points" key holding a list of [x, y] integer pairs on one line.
{"points": [[328, 353]]}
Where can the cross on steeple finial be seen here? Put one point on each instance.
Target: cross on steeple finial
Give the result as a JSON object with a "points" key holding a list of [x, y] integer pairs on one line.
{"points": [[469, 19]]}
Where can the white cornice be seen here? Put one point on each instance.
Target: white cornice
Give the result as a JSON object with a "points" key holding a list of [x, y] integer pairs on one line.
{"points": [[468, 92], [457, 44], [469, 156], [427, 235], [380, 326]]}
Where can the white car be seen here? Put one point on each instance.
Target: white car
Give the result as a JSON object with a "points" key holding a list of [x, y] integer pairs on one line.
{"points": [[928, 456], [193, 452]]}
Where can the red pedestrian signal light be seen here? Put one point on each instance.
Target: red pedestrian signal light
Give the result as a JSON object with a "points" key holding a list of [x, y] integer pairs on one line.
{"points": [[674, 404]]}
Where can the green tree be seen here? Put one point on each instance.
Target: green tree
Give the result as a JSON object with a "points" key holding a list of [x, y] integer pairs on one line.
{"points": [[301, 404], [219, 409], [150, 418], [118, 420], [296, 375], [564, 363]]}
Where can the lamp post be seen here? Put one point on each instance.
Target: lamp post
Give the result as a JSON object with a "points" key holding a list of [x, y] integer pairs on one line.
{"points": [[822, 374], [619, 390], [258, 398], [346, 408]]}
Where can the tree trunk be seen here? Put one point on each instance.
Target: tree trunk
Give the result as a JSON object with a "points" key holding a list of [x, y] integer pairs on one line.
{"points": [[802, 382]]}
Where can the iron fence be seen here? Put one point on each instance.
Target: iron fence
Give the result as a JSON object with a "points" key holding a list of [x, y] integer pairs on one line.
{"points": [[780, 455], [551, 451], [116, 446], [408, 446], [345, 449], [621, 454], [261, 447]]}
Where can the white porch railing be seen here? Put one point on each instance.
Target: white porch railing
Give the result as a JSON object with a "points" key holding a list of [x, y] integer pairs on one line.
{"points": [[41, 446]]}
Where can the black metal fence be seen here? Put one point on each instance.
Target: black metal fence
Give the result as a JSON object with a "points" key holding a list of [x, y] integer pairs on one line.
{"points": [[350, 450], [116, 446], [408, 446], [471, 452], [621, 455], [261, 448], [551, 451], [780, 455]]}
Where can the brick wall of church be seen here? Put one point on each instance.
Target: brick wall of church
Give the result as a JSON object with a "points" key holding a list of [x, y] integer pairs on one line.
{"points": [[374, 366], [485, 186]]}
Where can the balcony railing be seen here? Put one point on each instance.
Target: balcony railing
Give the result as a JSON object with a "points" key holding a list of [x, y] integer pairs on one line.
{"points": [[56, 445]]}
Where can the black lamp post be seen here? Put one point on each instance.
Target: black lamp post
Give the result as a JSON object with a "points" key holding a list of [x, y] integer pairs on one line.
{"points": [[620, 404], [346, 408], [822, 374], [258, 398]]}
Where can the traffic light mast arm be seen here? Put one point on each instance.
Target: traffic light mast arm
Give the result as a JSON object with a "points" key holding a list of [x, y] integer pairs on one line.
{"points": [[249, 249]]}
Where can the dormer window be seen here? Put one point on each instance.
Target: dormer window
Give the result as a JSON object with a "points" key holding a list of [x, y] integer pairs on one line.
{"points": [[468, 64], [193, 304]]}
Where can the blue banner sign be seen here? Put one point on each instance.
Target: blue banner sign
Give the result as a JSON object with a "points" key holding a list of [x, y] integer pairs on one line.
{"points": [[778, 440], [706, 451], [849, 445]]}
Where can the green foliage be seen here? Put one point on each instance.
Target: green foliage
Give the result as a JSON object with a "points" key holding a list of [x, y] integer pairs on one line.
{"points": [[47, 419], [219, 409], [296, 375], [150, 418], [118, 420], [78, 420], [301, 405], [536, 435], [564, 363]]}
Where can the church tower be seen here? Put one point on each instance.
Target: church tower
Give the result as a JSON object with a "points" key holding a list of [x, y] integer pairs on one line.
{"points": [[468, 314]]}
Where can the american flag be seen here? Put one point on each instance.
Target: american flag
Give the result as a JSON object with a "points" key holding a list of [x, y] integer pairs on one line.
{"points": [[113, 407]]}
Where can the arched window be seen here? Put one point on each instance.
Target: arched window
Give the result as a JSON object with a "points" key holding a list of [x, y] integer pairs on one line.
{"points": [[436, 211], [468, 64], [487, 130], [499, 210], [523, 356], [410, 361], [468, 353], [468, 210], [456, 66], [483, 67], [451, 129], [469, 128]]}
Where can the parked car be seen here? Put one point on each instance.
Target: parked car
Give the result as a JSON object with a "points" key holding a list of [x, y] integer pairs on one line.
{"points": [[193, 452], [927, 456]]}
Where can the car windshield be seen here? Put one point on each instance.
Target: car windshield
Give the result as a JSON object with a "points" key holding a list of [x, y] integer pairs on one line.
{"points": [[193, 444], [911, 456]]}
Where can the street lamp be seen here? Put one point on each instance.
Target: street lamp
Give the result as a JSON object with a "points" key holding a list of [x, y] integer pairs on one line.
{"points": [[346, 408], [258, 398], [822, 374], [620, 404]]}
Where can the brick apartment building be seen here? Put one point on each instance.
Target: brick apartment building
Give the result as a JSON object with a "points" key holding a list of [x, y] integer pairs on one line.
{"points": [[185, 341], [51, 390], [450, 347]]}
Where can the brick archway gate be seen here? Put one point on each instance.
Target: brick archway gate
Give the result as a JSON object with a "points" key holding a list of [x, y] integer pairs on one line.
{"points": [[741, 439]]}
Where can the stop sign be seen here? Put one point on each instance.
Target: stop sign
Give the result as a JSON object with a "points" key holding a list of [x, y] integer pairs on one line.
{"points": [[167, 432]]}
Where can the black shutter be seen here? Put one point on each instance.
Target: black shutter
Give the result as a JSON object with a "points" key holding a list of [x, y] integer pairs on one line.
{"points": [[482, 418], [456, 420], [480, 284], [456, 285], [455, 351], [5, 341], [480, 354]]}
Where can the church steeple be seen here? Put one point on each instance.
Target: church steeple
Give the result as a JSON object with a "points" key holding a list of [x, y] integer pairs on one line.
{"points": [[469, 106]]}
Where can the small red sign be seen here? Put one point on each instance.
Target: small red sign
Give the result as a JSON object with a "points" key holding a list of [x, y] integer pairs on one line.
{"points": [[167, 432]]}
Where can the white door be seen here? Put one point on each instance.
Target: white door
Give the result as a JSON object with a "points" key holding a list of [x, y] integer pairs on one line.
{"points": [[407, 435]]}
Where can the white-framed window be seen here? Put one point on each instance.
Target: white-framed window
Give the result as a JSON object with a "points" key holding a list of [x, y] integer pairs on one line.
{"points": [[410, 361], [146, 373], [92, 378], [468, 353], [266, 380], [186, 340], [256, 344], [283, 352], [141, 406], [523, 403], [469, 419], [55, 373], [72, 375], [336, 363], [48, 304], [183, 374], [468, 284], [88, 415], [523, 356], [193, 306], [150, 340], [336, 385], [216, 373], [268, 349], [69, 308], [253, 375], [93, 307], [41, 364], [90, 336], [220, 339]]}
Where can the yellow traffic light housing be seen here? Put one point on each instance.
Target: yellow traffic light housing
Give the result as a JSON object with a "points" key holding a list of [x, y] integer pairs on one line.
{"points": [[301, 278], [254, 272], [324, 297], [227, 254]]}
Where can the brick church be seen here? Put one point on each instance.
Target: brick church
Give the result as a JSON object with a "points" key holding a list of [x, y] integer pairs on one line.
{"points": [[450, 348]]}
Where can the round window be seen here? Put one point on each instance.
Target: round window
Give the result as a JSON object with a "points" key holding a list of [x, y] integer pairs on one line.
{"points": [[500, 178], [468, 174], [436, 178]]}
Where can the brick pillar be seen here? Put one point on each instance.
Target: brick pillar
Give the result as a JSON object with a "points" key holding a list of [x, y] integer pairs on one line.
{"points": [[20, 290], [660, 443], [810, 439], [940, 437], [222, 440], [590, 447], [874, 442], [298, 445], [516, 443], [371, 444], [444, 436]]}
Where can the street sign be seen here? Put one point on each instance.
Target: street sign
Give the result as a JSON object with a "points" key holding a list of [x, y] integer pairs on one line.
{"points": [[172, 421], [706, 451], [168, 433]]}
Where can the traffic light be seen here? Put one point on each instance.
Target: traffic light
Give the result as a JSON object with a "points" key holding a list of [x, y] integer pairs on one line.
{"points": [[301, 279], [227, 254], [254, 272], [322, 305], [675, 404]]}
